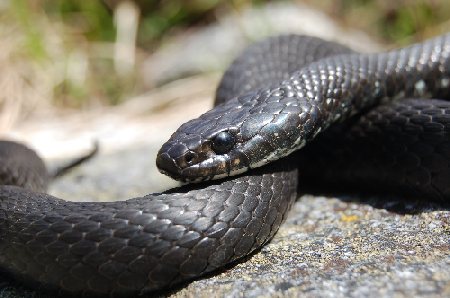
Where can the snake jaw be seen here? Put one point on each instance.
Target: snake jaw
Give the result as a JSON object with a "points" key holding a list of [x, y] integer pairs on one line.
{"points": [[210, 168], [188, 158], [173, 159], [217, 167], [182, 162]]}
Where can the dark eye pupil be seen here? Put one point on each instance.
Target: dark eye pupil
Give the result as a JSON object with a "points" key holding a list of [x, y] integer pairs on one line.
{"points": [[223, 142]]}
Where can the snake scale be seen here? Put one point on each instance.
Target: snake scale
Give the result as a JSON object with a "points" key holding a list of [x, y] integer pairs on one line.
{"points": [[283, 92]]}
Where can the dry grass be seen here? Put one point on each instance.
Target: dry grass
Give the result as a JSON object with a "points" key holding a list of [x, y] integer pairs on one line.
{"points": [[24, 82], [46, 65]]}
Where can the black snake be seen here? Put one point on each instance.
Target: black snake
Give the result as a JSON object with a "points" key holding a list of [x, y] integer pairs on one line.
{"points": [[144, 244]]}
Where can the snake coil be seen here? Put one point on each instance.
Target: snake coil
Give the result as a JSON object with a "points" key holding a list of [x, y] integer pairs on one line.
{"points": [[144, 244]]}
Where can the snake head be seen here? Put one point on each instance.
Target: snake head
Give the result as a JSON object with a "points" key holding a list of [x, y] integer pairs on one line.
{"points": [[245, 132], [205, 148], [190, 157]]}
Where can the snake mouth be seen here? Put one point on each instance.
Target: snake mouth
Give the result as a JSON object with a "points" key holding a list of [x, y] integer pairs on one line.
{"points": [[184, 165], [196, 172], [210, 168], [173, 167]]}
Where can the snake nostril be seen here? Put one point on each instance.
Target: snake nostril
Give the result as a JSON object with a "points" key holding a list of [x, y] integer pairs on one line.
{"points": [[189, 158]]}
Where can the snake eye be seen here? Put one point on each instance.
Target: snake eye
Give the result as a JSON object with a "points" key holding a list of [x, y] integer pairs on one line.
{"points": [[223, 142]]}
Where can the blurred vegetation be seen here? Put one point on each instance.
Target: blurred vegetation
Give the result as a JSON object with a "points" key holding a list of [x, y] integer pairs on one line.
{"points": [[64, 36], [390, 21]]}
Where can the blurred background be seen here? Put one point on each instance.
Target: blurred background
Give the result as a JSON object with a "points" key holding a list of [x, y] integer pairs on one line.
{"points": [[79, 55]]}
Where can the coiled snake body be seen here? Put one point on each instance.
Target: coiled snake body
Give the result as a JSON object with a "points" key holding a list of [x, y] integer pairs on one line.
{"points": [[144, 244]]}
